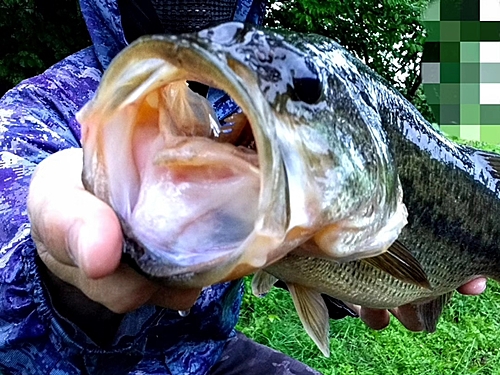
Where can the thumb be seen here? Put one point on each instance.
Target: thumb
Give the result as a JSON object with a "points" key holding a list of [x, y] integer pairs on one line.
{"points": [[69, 223], [94, 239]]}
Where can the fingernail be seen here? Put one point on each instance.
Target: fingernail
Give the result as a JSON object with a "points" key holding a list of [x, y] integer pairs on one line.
{"points": [[481, 285]]}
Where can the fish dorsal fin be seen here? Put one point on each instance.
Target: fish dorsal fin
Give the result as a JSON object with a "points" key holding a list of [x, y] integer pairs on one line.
{"points": [[429, 312], [398, 262], [313, 314], [262, 283], [493, 161]]}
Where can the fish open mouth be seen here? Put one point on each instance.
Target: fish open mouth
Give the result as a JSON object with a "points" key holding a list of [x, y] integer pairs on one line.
{"points": [[189, 190], [199, 179], [202, 201]]}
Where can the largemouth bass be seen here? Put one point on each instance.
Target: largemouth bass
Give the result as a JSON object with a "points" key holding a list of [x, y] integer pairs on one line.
{"points": [[198, 206], [452, 194]]}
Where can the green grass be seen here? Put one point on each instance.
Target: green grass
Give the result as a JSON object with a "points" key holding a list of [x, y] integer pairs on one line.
{"points": [[467, 340]]}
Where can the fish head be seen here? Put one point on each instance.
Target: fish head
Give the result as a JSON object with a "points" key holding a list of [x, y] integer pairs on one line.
{"points": [[198, 205], [326, 134]]}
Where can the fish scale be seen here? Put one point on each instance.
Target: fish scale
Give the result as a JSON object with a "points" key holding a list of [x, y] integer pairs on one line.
{"points": [[317, 170], [341, 163], [452, 193]]}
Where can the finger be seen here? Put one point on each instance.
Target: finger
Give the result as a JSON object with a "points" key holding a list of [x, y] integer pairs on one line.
{"points": [[175, 299], [408, 316], [95, 241], [474, 287], [123, 291], [69, 222], [374, 318], [81, 231]]}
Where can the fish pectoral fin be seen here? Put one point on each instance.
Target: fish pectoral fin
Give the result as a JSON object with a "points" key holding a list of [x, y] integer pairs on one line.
{"points": [[262, 283], [313, 314], [398, 262], [429, 312]]}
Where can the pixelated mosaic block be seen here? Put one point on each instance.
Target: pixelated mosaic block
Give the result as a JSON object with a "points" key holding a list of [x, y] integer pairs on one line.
{"points": [[461, 67]]}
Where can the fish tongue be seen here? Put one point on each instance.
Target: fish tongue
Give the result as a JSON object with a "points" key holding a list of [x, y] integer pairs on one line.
{"points": [[196, 203]]}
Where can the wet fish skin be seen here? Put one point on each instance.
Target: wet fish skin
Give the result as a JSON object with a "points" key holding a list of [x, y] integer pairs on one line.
{"points": [[324, 172], [453, 236], [452, 193]]}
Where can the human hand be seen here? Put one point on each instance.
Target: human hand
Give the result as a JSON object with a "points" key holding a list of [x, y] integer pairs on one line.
{"points": [[379, 319], [79, 239]]}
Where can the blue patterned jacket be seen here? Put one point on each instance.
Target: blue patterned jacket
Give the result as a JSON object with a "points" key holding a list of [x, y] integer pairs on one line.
{"points": [[36, 120]]}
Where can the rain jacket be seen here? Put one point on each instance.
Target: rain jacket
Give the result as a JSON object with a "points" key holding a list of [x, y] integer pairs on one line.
{"points": [[37, 118]]}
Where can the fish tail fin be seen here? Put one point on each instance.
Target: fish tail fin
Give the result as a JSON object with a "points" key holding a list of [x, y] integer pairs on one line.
{"points": [[429, 312], [313, 314]]}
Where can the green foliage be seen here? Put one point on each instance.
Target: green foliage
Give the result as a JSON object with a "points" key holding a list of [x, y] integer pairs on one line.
{"points": [[35, 34], [387, 35], [477, 144]]}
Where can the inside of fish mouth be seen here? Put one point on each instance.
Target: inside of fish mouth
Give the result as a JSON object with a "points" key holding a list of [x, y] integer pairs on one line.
{"points": [[199, 88], [201, 191], [235, 128], [191, 117]]}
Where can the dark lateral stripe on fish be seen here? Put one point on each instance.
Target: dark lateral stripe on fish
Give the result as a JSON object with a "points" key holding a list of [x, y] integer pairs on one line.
{"points": [[444, 225], [450, 210]]}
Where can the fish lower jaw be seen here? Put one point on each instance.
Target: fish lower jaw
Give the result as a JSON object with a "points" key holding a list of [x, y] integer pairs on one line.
{"points": [[153, 264], [197, 269], [190, 221], [201, 250]]}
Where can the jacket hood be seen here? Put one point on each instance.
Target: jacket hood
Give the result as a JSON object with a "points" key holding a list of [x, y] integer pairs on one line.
{"points": [[106, 22]]}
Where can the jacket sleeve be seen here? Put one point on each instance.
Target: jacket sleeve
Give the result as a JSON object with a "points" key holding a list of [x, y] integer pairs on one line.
{"points": [[36, 120]]}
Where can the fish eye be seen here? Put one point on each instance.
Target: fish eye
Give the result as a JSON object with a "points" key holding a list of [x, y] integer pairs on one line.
{"points": [[308, 89]]}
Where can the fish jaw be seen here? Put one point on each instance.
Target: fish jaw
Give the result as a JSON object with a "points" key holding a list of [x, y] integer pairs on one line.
{"points": [[194, 211], [132, 127]]}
